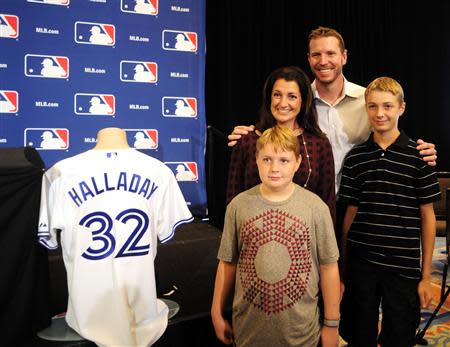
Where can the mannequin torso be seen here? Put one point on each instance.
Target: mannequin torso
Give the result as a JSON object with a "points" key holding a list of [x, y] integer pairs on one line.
{"points": [[111, 138]]}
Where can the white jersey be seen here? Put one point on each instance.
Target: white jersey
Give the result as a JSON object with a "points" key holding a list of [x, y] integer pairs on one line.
{"points": [[111, 206]]}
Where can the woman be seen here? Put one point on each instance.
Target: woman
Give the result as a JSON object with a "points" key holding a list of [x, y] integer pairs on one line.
{"points": [[287, 100]]}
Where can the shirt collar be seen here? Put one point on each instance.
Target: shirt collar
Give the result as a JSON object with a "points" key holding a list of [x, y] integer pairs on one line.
{"points": [[401, 141], [350, 90]]}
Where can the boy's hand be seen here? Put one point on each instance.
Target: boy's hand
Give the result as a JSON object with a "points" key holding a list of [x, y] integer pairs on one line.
{"points": [[329, 336], [427, 151], [424, 291], [237, 133], [223, 330]]}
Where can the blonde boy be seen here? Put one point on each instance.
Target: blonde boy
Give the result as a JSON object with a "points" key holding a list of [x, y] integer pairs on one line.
{"points": [[277, 250], [388, 229]]}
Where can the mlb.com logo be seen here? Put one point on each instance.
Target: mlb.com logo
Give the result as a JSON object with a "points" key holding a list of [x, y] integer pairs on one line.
{"points": [[177, 106], [52, 2], [95, 33], [173, 40], [138, 71], [95, 104], [148, 7], [9, 101], [9, 26], [47, 138], [143, 138], [184, 171], [46, 66]]}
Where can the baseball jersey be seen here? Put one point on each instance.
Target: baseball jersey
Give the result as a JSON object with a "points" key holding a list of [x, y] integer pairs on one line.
{"points": [[111, 207]]}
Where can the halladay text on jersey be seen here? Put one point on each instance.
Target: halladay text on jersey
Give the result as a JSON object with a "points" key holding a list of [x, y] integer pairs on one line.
{"points": [[99, 185]]}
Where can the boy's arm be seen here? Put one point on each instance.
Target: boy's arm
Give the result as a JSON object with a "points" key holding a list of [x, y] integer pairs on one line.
{"points": [[329, 285], [427, 151], [225, 278], [428, 236]]}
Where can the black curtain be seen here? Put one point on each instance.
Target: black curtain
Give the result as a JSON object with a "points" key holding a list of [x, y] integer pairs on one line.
{"points": [[24, 301], [408, 41]]}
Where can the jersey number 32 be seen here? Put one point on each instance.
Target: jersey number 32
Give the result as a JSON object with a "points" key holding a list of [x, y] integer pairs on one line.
{"points": [[107, 241]]}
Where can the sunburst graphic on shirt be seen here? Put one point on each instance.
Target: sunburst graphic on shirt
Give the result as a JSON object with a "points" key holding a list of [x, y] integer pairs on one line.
{"points": [[275, 260]]}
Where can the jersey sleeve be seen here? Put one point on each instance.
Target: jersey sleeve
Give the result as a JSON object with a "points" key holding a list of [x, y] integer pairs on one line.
{"points": [[173, 210], [48, 211]]}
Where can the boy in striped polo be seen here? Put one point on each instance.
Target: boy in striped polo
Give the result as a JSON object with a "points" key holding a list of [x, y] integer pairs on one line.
{"points": [[388, 229]]}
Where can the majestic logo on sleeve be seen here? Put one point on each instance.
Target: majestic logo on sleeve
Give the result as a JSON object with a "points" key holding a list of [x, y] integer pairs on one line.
{"points": [[47, 66], [94, 104], [95, 33], [138, 71], [173, 106], [274, 286], [185, 41], [52, 2], [47, 138], [9, 101], [184, 171], [143, 138], [9, 26], [148, 7]]}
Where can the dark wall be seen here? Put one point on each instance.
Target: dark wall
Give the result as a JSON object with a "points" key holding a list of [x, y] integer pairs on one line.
{"points": [[408, 41]]}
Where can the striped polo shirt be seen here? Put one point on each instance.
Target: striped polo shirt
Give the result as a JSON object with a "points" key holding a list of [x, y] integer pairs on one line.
{"points": [[388, 186]]}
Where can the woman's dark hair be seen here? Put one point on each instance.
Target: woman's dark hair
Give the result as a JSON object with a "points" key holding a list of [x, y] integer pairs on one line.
{"points": [[307, 117]]}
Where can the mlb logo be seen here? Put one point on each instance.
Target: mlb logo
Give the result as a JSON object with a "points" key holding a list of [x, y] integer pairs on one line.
{"points": [[95, 33], [173, 106], [184, 41], [138, 71], [47, 138], [9, 101], [9, 26], [52, 2], [95, 104], [148, 7], [46, 66], [143, 138], [184, 171]]}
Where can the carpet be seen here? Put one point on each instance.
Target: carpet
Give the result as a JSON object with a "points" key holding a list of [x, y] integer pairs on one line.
{"points": [[438, 333]]}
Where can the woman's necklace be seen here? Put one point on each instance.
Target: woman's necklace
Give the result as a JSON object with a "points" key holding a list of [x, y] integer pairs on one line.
{"points": [[307, 159]]}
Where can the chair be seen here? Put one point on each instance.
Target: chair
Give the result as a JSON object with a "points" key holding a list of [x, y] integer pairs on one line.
{"points": [[444, 292]]}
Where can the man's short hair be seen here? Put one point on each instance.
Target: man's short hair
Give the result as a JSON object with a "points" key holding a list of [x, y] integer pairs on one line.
{"points": [[326, 32]]}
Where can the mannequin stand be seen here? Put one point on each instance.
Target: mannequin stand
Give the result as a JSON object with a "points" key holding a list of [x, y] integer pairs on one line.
{"points": [[173, 306], [59, 331]]}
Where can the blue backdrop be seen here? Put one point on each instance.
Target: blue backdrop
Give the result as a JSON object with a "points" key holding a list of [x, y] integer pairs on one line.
{"points": [[69, 68]]}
